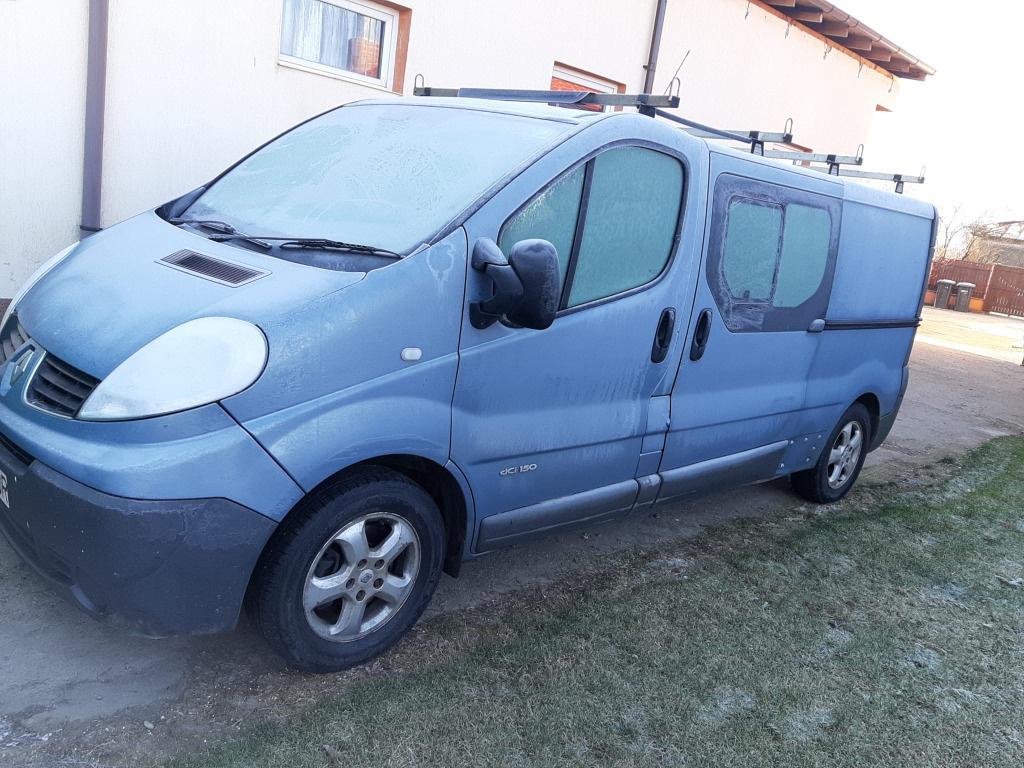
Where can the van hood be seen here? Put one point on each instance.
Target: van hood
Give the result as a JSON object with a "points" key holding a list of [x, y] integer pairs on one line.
{"points": [[113, 294]]}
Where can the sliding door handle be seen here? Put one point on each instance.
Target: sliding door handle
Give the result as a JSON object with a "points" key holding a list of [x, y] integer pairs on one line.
{"points": [[701, 335], [663, 336]]}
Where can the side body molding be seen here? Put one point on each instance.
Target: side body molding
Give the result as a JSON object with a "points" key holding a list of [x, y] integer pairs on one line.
{"points": [[610, 501], [726, 472]]}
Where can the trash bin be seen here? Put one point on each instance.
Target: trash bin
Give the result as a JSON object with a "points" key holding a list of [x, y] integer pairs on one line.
{"points": [[943, 288], [964, 291]]}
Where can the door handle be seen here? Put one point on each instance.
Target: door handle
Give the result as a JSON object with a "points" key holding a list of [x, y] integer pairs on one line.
{"points": [[701, 335], [663, 336]]}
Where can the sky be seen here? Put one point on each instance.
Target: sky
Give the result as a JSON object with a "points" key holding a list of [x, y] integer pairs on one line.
{"points": [[964, 122]]}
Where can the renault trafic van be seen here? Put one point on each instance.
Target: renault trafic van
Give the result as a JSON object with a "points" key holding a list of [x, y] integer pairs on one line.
{"points": [[410, 331]]}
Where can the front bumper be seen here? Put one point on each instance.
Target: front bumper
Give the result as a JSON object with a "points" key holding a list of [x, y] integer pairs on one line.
{"points": [[154, 567]]}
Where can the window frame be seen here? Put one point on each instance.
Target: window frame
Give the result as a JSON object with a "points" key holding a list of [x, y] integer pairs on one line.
{"points": [[588, 160], [730, 188], [390, 17]]}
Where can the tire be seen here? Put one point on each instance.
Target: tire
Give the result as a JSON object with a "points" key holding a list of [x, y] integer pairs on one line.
{"points": [[349, 571], [840, 462]]}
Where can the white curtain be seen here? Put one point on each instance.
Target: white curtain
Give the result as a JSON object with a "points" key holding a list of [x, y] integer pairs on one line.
{"points": [[318, 31]]}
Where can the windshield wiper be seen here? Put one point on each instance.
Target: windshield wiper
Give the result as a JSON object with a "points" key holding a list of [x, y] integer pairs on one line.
{"points": [[320, 242], [219, 226], [227, 231]]}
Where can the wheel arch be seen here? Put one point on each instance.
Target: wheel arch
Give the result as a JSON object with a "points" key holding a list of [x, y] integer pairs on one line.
{"points": [[438, 481], [447, 493], [870, 401]]}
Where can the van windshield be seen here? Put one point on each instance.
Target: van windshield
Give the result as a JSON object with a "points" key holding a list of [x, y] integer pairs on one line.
{"points": [[389, 176]]}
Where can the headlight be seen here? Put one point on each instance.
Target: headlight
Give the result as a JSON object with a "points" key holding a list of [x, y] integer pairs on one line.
{"points": [[199, 362], [36, 277]]}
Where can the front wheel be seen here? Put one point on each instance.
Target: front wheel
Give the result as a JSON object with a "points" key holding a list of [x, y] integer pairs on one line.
{"points": [[349, 572], [840, 463]]}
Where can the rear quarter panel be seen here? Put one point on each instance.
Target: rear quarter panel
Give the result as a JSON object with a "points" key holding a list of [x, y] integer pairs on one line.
{"points": [[881, 271], [883, 256]]}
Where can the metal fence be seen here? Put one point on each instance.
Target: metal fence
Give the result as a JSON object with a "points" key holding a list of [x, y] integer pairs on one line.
{"points": [[1001, 288]]}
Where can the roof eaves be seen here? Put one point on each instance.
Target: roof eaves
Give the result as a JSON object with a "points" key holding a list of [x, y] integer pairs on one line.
{"points": [[850, 34]]}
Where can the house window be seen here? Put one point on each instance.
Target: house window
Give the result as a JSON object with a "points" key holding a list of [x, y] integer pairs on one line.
{"points": [[354, 40]]}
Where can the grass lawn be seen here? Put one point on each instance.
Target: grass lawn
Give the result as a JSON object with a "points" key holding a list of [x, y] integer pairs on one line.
{"points": [[885, 630]]}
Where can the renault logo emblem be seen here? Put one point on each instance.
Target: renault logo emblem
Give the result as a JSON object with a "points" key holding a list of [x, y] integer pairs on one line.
{"points": [[20, 367]]}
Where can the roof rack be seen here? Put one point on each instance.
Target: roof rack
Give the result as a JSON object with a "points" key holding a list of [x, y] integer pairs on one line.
{"points": [[653, 105], [568, 98], [756, 139], [899, 178]]}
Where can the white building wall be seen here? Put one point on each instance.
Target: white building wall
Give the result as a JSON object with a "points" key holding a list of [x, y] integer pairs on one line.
{"points": [[42, 127], [748, 69], [472, 44], [193, 85]]}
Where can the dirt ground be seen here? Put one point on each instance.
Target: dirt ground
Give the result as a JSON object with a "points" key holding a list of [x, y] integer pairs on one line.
{"points": [[73, 692]]}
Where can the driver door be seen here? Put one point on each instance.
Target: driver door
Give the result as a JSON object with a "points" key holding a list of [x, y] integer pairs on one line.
{"points": [[552, 427]]}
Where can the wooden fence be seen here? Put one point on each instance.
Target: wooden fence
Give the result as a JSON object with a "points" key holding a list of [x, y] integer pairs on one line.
{"points": [[1001, 288]]}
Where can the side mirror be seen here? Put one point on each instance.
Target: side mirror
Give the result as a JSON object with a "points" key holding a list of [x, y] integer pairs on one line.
{"points": [[536, 264], [526, 285]]}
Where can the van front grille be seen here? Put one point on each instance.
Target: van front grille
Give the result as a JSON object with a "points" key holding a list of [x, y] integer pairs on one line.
{"points": [[60, 388], [12, 337]]}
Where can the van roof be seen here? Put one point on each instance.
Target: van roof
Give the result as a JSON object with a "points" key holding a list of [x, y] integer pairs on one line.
{"points": [[852, 190], [520, 108]]}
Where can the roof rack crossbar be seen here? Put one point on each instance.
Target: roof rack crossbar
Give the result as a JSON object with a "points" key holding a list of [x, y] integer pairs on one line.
{"points": [[899, 178], [812, 157], [579, 98]]}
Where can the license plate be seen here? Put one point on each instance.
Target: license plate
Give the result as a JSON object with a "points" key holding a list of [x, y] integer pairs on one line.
{"points": [[3, 491]]}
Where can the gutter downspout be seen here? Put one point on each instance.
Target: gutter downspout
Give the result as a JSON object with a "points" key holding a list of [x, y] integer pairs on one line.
{"points": [[652, 60], [95, 109]]}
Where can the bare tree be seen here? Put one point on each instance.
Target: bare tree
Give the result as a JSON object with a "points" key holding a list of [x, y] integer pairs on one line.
{"points": [[951, 233], [995, 242], [981, 239]]}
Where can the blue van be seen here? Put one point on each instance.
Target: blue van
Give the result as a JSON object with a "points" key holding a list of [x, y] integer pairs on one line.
{"points": [[411, 331]]}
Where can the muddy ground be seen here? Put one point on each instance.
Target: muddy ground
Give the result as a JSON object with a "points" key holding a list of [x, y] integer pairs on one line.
{"points": [[73, 692]]}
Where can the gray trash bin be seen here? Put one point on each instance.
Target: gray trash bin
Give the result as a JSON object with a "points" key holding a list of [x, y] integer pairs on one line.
{"points": [[964, 291], [943, 288]]}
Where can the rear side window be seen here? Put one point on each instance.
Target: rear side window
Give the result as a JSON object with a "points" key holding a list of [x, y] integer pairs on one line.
{"points": [[752, 249], [804, 254], [772, 254], [612, 220]]}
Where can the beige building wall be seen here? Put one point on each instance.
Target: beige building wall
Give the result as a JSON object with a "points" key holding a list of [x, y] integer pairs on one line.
{"points": [[193, 85], [42, 126], [747, 68]]}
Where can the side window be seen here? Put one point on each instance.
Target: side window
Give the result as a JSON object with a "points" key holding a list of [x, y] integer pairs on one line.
{"points": [[752, 249], [552, 216], [631, 219], [772, 254], [630, 200], [804, 254]]}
